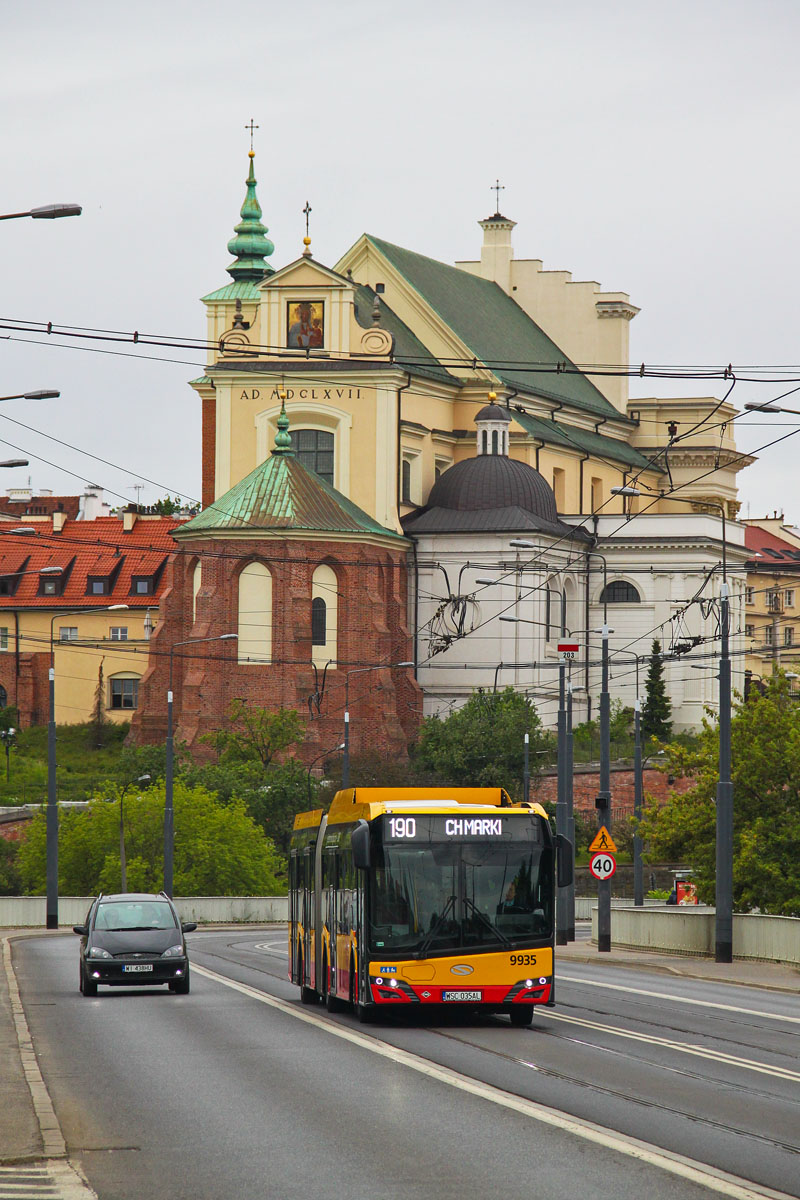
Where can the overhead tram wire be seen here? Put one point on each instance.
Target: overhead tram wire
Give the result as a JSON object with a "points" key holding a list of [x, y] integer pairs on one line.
{"points": [[561, 367]]}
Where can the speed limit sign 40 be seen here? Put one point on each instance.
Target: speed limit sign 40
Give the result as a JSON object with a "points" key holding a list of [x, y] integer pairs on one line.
{"points": [[602, 866]]}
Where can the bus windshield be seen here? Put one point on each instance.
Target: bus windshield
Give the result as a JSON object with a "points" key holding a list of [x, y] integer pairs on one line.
{"points": [[436, 897]]}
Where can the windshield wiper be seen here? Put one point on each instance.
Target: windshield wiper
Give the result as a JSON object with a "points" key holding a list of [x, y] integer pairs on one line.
{"points": [[501, 937], [426, 941]]}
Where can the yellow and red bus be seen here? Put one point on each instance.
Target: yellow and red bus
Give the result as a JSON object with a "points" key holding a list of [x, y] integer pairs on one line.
{"points": [[436, 897]]}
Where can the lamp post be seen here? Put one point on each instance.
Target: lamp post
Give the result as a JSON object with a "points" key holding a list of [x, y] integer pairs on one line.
{"points": [[169, 815], [123, 873], [346, 742], [9, 740], [52, 803], [47, 212], [723, 933]]}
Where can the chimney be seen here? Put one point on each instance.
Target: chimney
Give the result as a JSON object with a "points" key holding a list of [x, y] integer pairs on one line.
{"points": [[59, 521], [128, 520]]}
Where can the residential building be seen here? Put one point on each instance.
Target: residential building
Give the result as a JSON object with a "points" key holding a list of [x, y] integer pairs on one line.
{"points": [[772, 598], [58, 579]]}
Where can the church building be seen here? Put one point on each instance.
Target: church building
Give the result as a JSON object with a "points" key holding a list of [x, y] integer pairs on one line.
{"points": [[405, 461]]}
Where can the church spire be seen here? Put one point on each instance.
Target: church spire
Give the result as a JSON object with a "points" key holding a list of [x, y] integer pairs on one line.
{"points": [[251, 246], [283, 441]]}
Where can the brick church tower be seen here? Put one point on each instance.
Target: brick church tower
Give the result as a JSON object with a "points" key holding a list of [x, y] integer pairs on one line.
{"points": [[313, 588]]}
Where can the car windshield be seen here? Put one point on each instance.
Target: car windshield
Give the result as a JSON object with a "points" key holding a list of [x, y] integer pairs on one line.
{"points": [[116, 915], [433, 898]]}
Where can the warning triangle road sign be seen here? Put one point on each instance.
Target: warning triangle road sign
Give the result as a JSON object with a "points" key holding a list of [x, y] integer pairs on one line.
{"points": [[603, 841]]}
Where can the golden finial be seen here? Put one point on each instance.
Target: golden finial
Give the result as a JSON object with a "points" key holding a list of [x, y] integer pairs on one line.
{"points": [[492, 397]]}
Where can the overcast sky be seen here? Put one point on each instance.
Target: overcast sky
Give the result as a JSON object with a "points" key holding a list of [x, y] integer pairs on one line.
{"points": [[649, 146]]}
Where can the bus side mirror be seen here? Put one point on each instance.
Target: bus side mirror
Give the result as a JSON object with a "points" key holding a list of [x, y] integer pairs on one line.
{"points": [[563, 860], [359, 840]]}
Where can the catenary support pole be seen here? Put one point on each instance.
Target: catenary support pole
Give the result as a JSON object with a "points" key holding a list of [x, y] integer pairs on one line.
{"points": [[526, 769], [638, 789], [603, 801], [570, 817], [561, 800], [169, 811], [723, 935], [52, 807]]}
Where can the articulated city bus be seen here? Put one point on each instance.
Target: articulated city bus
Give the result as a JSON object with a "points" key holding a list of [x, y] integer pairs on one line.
{"points": [[425, 896]]}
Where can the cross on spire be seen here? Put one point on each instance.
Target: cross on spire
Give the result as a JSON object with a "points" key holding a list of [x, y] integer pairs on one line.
{"points": [[497, 187], [307, 211], [252, 126]]}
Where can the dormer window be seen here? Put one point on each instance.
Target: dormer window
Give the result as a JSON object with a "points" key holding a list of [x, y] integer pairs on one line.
{"points": [[142, 585], [98, 585], [51, 582]]}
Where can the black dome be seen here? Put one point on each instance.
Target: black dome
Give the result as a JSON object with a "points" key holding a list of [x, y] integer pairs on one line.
{"points": [[494, 481]]}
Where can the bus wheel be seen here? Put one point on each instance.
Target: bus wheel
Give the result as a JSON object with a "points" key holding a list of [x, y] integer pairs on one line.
{"points": [[521, 1015], [365, 1014], [307, 994], [332, 1002]]}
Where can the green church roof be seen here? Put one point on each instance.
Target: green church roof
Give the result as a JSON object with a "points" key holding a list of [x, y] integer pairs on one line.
{"points": [[282, 495], [554, 434], [495, 329]]}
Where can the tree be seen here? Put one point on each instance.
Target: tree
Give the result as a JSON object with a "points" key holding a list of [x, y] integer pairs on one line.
{"points": [[219, 849], [98, 722], [255, 733], [482, 744], [657, 711], [765, 741]]}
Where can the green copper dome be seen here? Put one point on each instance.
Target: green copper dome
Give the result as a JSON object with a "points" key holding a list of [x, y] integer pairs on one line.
{"points": [[251, 246]]}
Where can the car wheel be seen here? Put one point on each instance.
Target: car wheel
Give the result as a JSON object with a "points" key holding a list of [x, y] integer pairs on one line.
{"points": [[521, 1016], [89, 987]]}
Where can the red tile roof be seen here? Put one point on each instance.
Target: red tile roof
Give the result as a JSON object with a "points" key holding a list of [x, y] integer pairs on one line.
{"points": [[785, 556], [86, 549]]}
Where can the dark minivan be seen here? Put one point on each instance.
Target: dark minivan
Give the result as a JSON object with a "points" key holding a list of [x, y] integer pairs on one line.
{"points": [[131, 940]]}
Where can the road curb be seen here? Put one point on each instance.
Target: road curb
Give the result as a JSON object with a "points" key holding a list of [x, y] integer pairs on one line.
{"points": [[674, 972], [53, 1143]]}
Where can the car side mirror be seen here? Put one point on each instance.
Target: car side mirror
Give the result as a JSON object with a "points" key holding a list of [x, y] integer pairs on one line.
{"points": [[563, 860], [83, 930], [359, 840], [188, 926]]}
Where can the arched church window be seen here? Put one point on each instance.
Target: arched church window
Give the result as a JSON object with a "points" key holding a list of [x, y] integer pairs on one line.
{"points": [[494, 441], [255, 614], [619, 591], [485, 439], [319, 621], [324, 615], [406, 482], [197, 579], [314, 449]]}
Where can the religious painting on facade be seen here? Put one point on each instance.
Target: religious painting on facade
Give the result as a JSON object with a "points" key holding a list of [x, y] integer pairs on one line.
{"points": [[305, 324]]}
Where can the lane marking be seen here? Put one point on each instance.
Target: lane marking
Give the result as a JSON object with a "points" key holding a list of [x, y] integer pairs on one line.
{"points": [[685, 1047], [43, 1181], [674, 1164], [619, 987]]}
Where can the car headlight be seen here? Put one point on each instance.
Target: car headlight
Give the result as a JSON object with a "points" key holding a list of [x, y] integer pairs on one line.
{"points": [[173, 952], [97, 952]]}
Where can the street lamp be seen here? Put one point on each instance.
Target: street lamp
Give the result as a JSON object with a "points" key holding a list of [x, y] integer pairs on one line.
{"points": [[723, 934], [44, 394], [169, 815], [123, 874], [324, 754], [47, 212], [346, 744], [52, 804], [9, 740]]}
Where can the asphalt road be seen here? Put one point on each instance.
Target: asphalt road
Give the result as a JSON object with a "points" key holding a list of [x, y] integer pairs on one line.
{"points": [[238, 1091]]}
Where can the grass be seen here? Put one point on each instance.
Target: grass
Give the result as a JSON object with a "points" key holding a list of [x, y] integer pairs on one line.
{"points": [[80, 767]]}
